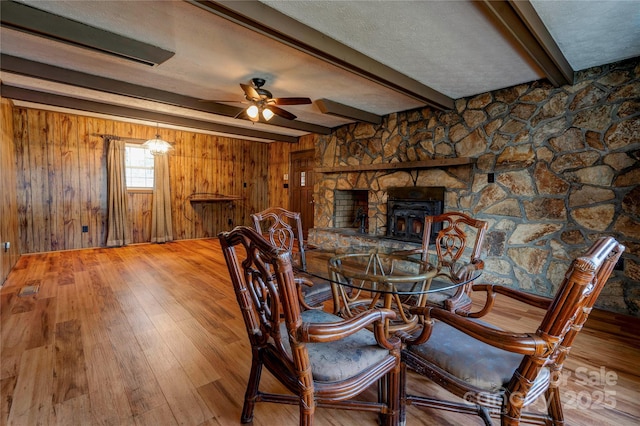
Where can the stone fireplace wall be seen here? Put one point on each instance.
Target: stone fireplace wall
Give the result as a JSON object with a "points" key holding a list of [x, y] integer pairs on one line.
{"points": [[565, 165]]}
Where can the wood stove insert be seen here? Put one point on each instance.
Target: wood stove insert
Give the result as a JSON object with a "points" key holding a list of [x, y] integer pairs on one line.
{"points": [[406, 209]]}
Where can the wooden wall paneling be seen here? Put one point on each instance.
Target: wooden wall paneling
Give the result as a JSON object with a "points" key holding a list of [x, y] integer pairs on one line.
{"points": [[40, 219], [9, 227], [179, 201], [55, 180], [6, 126], [175, 184], [71, 182], [85, 128], [189, 181], [305, 142], [202, 175], [257, 178], [93, 180], [62, 178], [237, 182], [23, 176], [279, 153]]}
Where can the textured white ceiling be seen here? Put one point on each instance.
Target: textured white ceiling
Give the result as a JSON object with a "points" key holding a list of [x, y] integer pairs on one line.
{"points": [[593, 33], [450, 46]]}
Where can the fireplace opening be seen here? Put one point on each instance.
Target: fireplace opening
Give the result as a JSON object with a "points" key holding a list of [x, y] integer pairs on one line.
{"points": [[351, 209], [406, 209]]}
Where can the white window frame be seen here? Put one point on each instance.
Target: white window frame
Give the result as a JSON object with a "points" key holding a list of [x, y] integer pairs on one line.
{"points": [[148, 166]]}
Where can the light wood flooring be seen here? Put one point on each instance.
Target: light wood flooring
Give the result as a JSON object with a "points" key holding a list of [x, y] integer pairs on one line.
{"points": [[151, 335]]}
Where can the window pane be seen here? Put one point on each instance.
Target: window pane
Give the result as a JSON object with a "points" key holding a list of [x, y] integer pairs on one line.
{"points": [[138, 167]]}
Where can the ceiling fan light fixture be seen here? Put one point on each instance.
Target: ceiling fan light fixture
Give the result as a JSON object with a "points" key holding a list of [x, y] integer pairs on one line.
{"points": [[253, 112], [267, 114]]}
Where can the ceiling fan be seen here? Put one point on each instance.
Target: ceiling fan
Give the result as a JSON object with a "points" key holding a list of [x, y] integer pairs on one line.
{"points": [[263, 103]]}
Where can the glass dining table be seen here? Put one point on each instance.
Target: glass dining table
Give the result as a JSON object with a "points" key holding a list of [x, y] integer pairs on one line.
{"points": [[365, 278]]}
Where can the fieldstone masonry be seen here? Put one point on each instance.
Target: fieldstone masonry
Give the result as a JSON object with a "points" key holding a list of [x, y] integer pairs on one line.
{"points": [[566, 163]]}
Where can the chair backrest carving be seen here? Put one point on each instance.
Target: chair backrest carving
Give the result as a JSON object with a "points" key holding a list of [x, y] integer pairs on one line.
{"points": [[452, 240], [283, 228]]}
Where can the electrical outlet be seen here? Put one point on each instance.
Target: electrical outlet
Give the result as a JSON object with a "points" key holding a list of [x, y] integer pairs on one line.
{"points": [[6, 245], [85, 228], [491, 178]]}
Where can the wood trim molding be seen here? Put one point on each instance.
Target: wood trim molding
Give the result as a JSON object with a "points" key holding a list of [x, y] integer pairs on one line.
{"points": [[424, 164], [12, 92]]}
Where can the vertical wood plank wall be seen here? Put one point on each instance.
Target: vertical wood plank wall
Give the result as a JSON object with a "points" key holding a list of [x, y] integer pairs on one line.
{"points": [[62, 185], [8, 199]]}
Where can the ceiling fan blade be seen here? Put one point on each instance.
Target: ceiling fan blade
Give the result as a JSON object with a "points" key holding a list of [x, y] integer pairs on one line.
{"points": [[290, 101], [250, 92], [282, 113], [216, 101]]}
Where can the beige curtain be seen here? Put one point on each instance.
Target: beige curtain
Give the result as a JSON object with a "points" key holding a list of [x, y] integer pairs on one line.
{"points": [[161, 229], [117, 221]]}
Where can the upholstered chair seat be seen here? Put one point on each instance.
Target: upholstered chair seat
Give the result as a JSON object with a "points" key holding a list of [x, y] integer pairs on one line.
{"points": [[480, 365], [348, 357]]}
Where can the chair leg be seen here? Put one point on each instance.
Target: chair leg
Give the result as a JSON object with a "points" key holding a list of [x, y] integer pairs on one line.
{"points": [[555, 406], [402, 409], [389, 394], [306, 412], [251, 394]]}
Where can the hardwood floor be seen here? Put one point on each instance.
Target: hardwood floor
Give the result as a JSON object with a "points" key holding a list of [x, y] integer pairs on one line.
{"points": [[151, 335]]}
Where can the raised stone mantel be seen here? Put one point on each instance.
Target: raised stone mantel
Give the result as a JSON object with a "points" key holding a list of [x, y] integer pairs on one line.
{"points": [[407, 165]]}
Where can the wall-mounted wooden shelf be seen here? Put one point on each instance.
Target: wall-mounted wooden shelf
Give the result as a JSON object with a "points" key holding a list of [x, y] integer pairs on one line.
{"points": [[213, 198], [424, 164]]}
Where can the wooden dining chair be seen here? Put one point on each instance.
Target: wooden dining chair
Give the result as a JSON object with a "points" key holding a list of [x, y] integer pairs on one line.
{"points": [[322, 359], [457, 247], [499, 372], [283, 228]]}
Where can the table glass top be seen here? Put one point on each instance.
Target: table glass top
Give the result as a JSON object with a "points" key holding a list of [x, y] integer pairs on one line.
{"points": [[382, 270]]}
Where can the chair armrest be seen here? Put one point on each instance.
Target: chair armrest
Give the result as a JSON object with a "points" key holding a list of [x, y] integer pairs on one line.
{"points": [[465, 272], [302, 280], [492, 290], [520, 343], [329, 332]]}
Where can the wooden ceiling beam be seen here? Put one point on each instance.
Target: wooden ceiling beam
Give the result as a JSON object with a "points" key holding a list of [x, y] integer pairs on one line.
{"points": [[27, 95], [521, 20], [56, 74], [264, 20]]}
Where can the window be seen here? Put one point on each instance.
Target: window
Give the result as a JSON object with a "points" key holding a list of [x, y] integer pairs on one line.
{"points": [[138, 167]]}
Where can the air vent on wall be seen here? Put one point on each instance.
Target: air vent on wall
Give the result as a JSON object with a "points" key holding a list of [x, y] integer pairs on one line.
{"points": [[44, 24]]}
